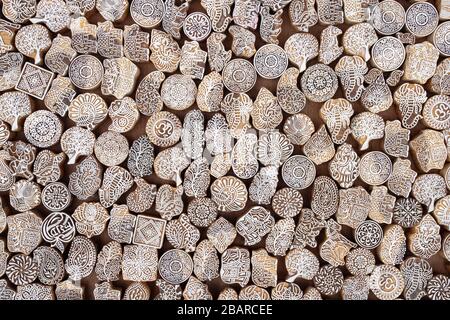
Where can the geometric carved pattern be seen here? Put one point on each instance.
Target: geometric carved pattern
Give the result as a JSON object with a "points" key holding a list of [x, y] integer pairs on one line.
{"points": [[149, 231]]}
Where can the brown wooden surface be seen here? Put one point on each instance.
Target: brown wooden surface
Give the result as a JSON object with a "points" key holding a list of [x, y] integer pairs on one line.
{"points": [[439, 264]]}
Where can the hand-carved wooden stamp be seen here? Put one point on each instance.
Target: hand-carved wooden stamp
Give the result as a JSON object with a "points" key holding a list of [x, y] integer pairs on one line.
{"points": [[60, 95], [319, 83], [367, 126], [246, 13], [193, 60], [331, 12], [243, 44], [319, 148], [388, 53], [388, 17], [420, 63], [147, 13], [375, 168], [270, 26], [34, 81], [86, 72], [344, 167], [270, 61], [135, 44], [174, 16], [429, 150], [84, 35], [109, 40], [428, 188], [300, 48], [32, 41], [119, 77], [358, 39], [421, 19], [58, 57], [329, 49]]}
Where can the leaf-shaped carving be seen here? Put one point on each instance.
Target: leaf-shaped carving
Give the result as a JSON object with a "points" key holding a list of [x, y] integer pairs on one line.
{"points": [[325, 197], [217, 135], [290, 98], [81, 258], [206, 261], [86, 179], [393, 245], [210, 92], [280, 238], [319, 148], [182, 234], [51, 265], [266, 112], [197, 178], [192, 134], [109, 262], [141, 157]]}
